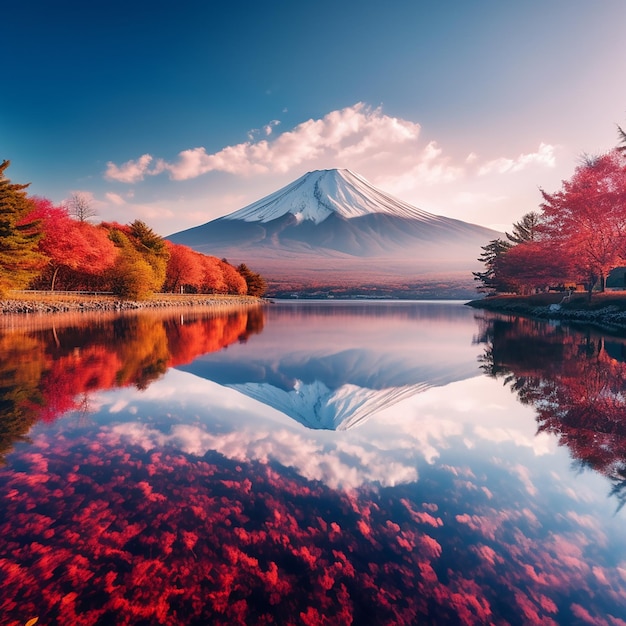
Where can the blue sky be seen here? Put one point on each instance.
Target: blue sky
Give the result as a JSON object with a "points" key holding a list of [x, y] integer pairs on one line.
{"points": [[177, 113]]}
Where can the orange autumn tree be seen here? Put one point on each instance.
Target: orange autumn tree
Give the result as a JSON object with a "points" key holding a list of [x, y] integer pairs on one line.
{"points": [[184, 268], [234, 282]]}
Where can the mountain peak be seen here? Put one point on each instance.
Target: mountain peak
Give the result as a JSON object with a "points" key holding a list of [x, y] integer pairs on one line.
{"points": [[320, 193]]}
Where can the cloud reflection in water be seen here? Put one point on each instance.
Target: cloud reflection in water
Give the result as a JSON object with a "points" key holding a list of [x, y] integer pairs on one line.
{"points": [[185, 500]]}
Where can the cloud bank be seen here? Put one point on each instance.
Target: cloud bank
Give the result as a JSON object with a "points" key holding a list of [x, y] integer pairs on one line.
{"points": [[342, 138], [355, 132], [389, 151]]}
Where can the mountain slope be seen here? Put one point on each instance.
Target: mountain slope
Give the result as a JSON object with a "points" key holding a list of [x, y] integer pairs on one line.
{"points": [[316, 406], [332, 227], [317, 195]]}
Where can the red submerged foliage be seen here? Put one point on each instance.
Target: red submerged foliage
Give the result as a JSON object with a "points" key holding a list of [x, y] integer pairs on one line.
{"points": [[123, 536]]}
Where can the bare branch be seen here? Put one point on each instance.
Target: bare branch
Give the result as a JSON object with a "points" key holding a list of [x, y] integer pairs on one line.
{"points": [[80, 207]]}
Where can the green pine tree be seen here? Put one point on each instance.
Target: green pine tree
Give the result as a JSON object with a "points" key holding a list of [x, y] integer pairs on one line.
{"points": [[20, 260], [492, 253], [152, 249], [526, 229], [256, 283]]}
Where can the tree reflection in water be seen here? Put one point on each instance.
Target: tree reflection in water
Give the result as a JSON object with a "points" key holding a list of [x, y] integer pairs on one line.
{"points": [[574, 379], [49, 370]]}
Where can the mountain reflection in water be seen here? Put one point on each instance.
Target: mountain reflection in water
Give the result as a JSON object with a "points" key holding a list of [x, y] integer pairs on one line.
{"points": [[333, 366], [145, 483]]}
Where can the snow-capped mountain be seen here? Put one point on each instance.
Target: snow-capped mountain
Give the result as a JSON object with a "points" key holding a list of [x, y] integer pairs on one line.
{"points": [[335, 397], [332, 227], [326, 376], [316, 406], [317, 195]]}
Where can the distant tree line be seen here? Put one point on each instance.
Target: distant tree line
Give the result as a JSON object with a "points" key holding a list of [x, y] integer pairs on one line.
{"points": [[43, 246], [577, 236]]}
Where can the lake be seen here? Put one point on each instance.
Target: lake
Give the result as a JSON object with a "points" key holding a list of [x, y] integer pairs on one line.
{"points": [[312, 463]]}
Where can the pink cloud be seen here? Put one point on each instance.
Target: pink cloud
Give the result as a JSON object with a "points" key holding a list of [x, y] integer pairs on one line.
{"points": [[545, 155]]}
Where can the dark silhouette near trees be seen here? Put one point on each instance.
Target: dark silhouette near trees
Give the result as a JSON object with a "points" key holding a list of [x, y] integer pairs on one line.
{"points": [[621, 134], [527, 229], [492, 279]]}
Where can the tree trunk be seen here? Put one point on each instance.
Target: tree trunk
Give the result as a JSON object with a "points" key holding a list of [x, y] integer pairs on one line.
{"points": [[54, 277]]}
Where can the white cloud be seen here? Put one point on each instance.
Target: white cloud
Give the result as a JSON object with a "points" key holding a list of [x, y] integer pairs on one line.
{"points": [[115, 198], [338, 465], [334, 140], [269, 128], [388, 151], [133, 171], [544, 156]]}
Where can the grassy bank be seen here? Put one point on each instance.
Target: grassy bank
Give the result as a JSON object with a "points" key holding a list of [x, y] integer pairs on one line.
{"points": [[603, 309], [45, 302]]}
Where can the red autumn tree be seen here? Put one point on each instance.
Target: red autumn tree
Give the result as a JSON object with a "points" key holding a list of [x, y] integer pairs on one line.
{"points": [[234, 281], [212, 276], [71, 245], [184, 268], [586, 219], [534, 265]]}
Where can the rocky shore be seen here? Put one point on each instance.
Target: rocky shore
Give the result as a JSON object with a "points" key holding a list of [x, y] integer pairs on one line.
{"points": [[66, 304], [607, 310]]}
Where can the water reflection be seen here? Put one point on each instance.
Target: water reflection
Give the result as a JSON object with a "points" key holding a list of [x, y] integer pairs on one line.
{"points": [[333, 366], [576, 382], [178, 499], [51, 366]]}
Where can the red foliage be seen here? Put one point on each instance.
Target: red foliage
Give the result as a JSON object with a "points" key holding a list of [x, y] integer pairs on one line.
{"points": [[586, 219], [184, 267], [233, 280], [136, 352], [201, 273], [125, 534], [76, 247], [535, 265]]}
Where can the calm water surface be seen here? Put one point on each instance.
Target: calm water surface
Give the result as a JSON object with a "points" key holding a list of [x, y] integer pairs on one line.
{"points": [[312, 463]]}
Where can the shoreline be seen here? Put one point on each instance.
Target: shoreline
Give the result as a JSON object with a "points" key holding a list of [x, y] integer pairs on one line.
{"points": [[50, 303], [606, 310]]}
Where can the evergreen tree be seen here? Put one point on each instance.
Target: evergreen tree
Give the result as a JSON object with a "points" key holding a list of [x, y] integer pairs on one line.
{"points": [[153, 250], [526, 229], [20, 261], [492, 254], [256, 283], [621, 134]]}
